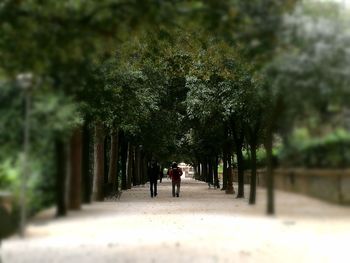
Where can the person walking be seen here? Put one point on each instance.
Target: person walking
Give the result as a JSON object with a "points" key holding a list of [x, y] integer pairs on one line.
{"points": [[175, 175], [153, 172]]}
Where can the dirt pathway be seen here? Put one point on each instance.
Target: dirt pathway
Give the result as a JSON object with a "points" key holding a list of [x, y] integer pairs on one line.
{"points": [[203, 225]]}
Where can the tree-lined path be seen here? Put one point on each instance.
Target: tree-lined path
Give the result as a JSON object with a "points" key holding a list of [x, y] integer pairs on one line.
{"points": [[203, 225]]}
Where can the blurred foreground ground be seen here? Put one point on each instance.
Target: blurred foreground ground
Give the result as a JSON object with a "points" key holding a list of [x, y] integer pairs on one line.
{"points": [[203, 225]]}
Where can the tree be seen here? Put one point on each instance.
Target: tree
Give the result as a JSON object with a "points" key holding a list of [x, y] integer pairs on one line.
{"points": [[313, 67]]}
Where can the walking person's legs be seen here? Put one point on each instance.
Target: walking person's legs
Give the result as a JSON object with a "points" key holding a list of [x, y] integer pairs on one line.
{"points": [[151, 188], [155, 189], [173, 186], [177, 189]]}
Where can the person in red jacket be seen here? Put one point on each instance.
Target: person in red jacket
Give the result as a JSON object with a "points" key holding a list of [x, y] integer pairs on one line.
{"points": [[175, 175]]}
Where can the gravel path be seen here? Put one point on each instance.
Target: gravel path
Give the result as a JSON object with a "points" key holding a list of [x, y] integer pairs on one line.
{"points": [[203, 225]]}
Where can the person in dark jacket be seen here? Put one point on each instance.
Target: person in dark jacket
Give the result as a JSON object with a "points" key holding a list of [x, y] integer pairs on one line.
{"points": [[175, 175], [153, 172], [161, 175]]}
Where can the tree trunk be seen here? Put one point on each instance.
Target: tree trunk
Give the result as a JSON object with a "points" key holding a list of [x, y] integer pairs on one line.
{"points": [[271, 126], [130, 165], [61, 201], [113, 161], [144, 168], [240, 168], [205, 170], [135, 168], [224, 168], [229, 189], [216, 174], [238, 136], [196, 169], [269, 175], [106, 158], [75, 170], [252, 195], [139, 166], [199, 170], [86, 178], [210, 171], [225, 153], [97, 189], [124, 163]]}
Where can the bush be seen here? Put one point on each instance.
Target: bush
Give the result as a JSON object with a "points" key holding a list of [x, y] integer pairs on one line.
{"points": [[40, 184], [9, 175], [331, 151], [260, 156]]}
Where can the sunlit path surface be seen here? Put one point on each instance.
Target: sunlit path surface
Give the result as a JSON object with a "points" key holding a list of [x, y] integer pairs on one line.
{"points": [[203, 225]]}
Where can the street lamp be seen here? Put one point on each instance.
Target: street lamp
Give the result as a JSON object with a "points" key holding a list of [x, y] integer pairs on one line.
{"points": [[25, 82]]}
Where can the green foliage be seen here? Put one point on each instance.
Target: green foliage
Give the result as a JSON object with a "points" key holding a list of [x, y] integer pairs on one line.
{"points": [[177, 77], [309, 74], [260, 159], [41, 185], [8, 175], [55, 114], [330, 151], [11, 119], [51, 115]]}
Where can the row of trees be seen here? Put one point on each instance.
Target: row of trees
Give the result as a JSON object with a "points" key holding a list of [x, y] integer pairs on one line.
{"points": [[249, 100], [117, 83]]}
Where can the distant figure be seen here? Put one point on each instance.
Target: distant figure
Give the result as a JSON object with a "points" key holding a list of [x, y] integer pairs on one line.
{"points": [[175, 175], [168, 172], [153, 172]]}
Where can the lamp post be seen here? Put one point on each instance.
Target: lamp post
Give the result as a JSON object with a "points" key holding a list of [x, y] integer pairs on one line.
{"points": [[25, 82]]}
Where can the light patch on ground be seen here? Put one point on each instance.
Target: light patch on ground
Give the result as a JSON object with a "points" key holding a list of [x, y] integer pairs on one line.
{"points": [[203, 225]]}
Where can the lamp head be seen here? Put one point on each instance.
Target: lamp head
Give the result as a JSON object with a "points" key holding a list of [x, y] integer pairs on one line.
{"points": [[25, 80]]}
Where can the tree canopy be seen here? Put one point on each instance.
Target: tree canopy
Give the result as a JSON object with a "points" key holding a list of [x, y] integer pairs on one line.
{"points": [[177, 80]]}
